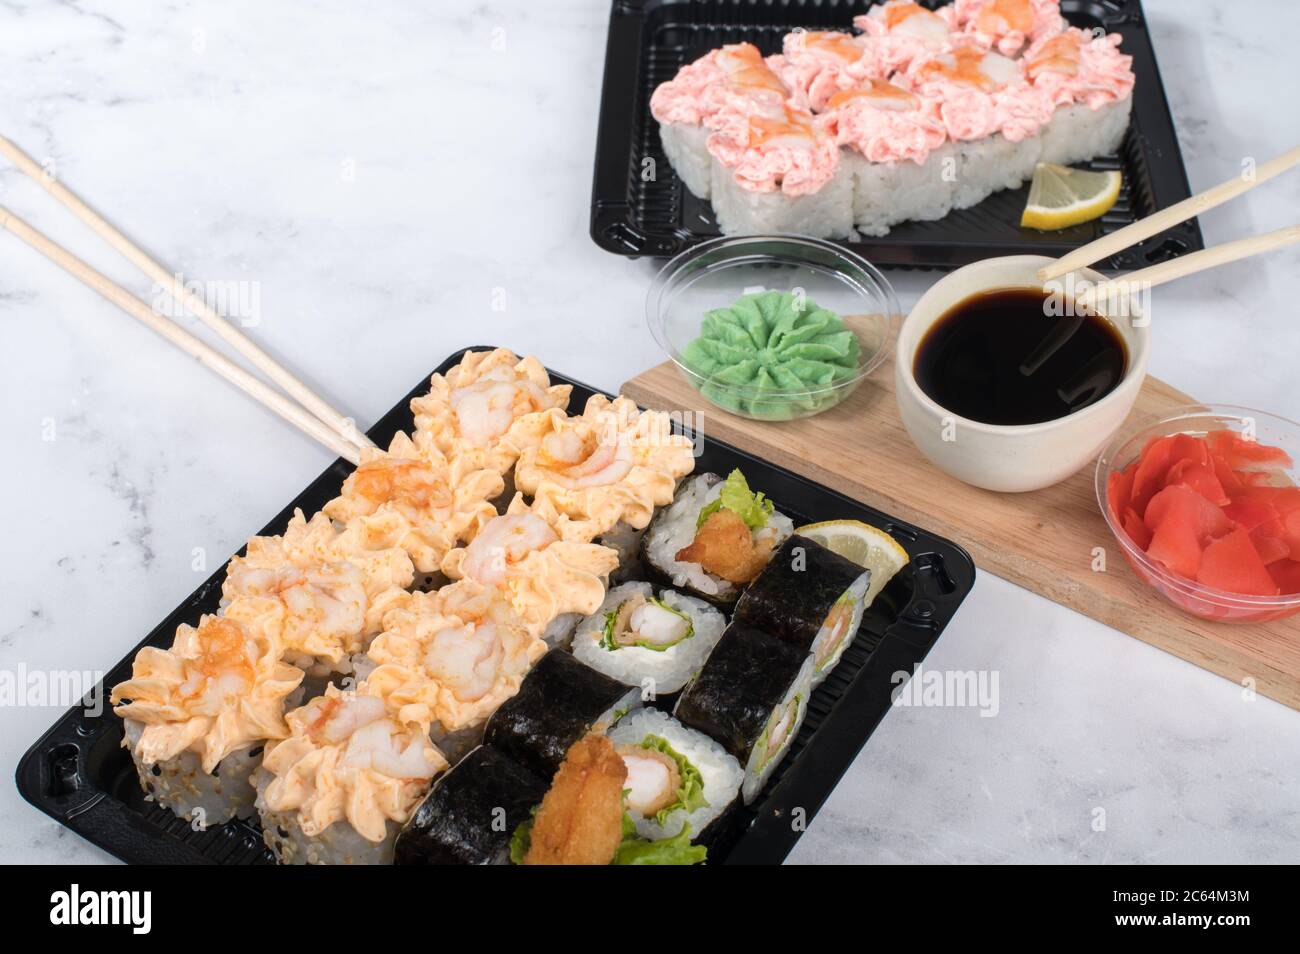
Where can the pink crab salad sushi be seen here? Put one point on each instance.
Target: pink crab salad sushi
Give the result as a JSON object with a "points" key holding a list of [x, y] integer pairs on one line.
{"points": [[780, 172], [1090, 84], [734, 78]]}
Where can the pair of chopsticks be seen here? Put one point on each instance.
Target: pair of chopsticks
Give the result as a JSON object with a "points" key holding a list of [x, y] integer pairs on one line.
{"points": [[1180, 212], [311, 414]]}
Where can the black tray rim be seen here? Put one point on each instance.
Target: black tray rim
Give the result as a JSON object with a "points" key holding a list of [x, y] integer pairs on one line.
{"points": [[609, 207], [115, 828]]}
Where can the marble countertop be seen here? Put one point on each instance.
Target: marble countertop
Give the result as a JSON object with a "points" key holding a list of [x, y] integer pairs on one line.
{"points": [[400, 183]]}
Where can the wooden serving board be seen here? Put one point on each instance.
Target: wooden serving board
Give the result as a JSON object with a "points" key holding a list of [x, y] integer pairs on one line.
{"points": [[1042, 540]]}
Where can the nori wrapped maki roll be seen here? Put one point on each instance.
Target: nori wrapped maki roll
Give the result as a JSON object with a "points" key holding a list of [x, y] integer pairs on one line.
{"points": [[751, 696], [559, 702], [714, 537], [471, 812], [809, 597]]}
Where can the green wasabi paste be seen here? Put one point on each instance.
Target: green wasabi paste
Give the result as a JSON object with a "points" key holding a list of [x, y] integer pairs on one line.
{"points": [[770, 342]]}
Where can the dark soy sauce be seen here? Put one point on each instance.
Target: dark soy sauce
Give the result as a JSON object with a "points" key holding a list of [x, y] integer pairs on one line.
{"points": [[1001, 357]]}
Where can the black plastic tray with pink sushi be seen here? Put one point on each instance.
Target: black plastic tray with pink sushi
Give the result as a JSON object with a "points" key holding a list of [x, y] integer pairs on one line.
{"points": [[80, 775], [637, 215]]}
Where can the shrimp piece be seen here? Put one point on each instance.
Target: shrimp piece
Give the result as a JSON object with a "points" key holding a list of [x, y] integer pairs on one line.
{"points": [[503, 542]]}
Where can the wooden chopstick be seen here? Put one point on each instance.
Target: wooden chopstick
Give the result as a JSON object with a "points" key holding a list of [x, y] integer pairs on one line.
{"points": [[1178, 212], [1199, 261], [346, 429], [207, 356]]}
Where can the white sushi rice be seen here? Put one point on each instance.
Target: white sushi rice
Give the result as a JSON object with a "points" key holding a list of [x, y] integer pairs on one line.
{"points": [[886, 193], [954, 176], [339, 844], [1077, 133], [761, 764], [994, 163], [826, 213], [656, 672], [720, 771], [675, 528], [181, 785], [857, 593], [686, 147], [559, 631]]}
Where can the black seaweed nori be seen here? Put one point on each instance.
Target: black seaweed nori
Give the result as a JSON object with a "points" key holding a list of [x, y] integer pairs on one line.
{"points": [[732, 698], [555, 707], [791, 598], [469, 816]]}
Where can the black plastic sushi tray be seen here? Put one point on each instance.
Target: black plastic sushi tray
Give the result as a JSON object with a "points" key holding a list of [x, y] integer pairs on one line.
{"points": [[79, 774], [656, 216]]}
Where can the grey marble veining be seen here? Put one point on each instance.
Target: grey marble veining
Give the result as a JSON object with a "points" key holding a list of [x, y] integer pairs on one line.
{"points": [[385, 173]]}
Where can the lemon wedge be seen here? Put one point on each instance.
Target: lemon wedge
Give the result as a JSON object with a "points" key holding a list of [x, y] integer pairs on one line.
{"points": [[1060, 196], [865, 545]]}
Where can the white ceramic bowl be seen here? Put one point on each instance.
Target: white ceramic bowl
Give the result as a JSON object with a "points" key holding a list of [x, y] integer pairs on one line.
{"points": [[1000, 457]]}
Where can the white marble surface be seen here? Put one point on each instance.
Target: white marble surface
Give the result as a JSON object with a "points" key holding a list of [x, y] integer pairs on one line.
{"points": [[222, 135]]}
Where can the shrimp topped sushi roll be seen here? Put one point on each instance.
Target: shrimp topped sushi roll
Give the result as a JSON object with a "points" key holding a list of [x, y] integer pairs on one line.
{"points": [[653, 643], [817, 64], [751, 697], [715, 537], [1008, 25], [779, 171], [319, 617], [197, 715], [348, 776], [898, 31], [559, 702], [1090, 82], [456, 654], [485, 409], [989, 109], [896, 147], [424, 505], [733, 78], [612, 465], [810, 597], [677, 779], [308, 544], [542, 577], [471, 813]]}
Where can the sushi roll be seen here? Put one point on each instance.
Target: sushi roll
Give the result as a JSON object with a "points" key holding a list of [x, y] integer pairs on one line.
{"points": [[424, 504], [348, 777], [469, 816], [751, 697], [779, 172], [715, 537], [611, 465], [652, 643], [559, 702], [897, 150], [582, 819], [1091, 84], [485, 410], [809, 597], [736, 78], [676, 777], [196, 717], [542, 576]]}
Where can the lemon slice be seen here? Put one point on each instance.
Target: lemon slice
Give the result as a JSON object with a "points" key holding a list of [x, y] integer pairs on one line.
{"points": [[1060, 196], [865, 545]]}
